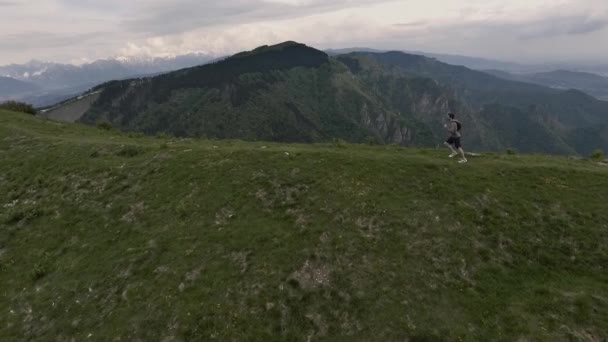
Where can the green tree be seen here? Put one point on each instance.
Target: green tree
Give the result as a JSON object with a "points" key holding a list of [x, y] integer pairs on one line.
{"points": [[18, 107]]}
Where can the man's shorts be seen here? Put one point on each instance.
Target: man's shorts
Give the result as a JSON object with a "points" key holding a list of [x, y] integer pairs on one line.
{"points": [[454, 141]]}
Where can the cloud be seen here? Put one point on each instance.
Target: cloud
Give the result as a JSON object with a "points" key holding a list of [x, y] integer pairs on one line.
{"points": [[522, 31], [40, 40], [411, 24], [564, 25], [178, 16], [66, 30]]}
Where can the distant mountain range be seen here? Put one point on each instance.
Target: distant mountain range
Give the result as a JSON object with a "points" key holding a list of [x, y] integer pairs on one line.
{"points": [[592, 84], [294, 93], [491, 64], [469, 62], [591, 79], [11, 87], [44, 83]]}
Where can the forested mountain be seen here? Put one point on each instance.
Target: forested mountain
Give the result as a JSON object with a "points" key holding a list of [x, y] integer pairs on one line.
{"points": [[294, 93]]}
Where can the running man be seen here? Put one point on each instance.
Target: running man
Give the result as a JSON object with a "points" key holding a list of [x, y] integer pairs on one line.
{"points": [[453, 142]]}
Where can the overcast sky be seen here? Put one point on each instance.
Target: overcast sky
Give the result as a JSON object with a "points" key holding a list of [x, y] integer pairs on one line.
{"points": [[512, 30]]}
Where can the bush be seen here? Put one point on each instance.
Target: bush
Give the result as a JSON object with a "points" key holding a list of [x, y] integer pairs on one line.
{"points": [[597, 155], [511, 152], [40, 271], [21, 107], [105, 125], [339, 143], [163, 135], [371, 141], [136, 135], [129, 151]]}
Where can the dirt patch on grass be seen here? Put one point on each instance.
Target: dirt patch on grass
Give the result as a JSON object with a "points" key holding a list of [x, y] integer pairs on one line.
{"points": [[311, 276], [369, 225], [321, 327], [298, 215], [224, 216], [280, 195], [241, 260], [135, 211]]}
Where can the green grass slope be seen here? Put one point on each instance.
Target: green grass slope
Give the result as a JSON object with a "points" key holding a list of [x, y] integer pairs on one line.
{"points": [[112, 237]]}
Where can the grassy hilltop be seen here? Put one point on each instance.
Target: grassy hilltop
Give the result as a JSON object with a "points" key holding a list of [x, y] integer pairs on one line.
{"points": [[107, 236]]}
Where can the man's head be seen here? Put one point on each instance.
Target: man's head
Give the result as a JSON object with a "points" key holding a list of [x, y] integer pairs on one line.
{"points": [[451, 115]]}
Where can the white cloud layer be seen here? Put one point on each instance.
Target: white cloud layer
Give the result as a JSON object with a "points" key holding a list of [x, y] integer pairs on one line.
{"points": [[517, 30]]}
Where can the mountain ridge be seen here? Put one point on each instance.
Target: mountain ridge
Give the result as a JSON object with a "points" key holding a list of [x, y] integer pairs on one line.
{"points": [[481, 63], [294, 93], [590, 83], [10, 87]]}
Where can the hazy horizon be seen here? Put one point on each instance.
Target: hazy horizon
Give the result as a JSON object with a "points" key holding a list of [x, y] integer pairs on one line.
{"points": [[526, 32]]}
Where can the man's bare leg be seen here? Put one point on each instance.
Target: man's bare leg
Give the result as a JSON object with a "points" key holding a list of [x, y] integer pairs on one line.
{"points": [[454, 153], [464, 158]]}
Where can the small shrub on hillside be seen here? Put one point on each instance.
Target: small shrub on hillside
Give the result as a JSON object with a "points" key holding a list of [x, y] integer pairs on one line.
{"points": [[136, 135], [15, 216], [597, 155], [371, 141], [129, 151], [23, 215], [39, 271], [511, 152], [339, 143], [105, 125], [21, 107]]}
